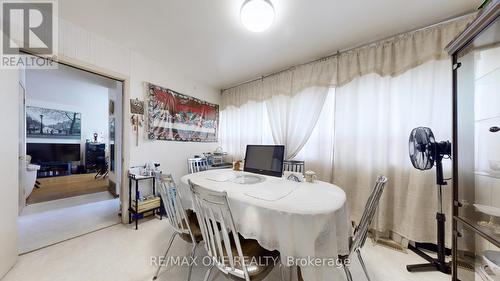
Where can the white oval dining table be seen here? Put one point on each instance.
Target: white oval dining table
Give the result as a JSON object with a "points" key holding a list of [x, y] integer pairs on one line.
{"points": [[303, 221]]}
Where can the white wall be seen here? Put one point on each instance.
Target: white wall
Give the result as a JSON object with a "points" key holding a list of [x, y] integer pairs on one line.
{"points": [[71, 90], [89, 50], [9, 95], [78, 45], [171, 155]]}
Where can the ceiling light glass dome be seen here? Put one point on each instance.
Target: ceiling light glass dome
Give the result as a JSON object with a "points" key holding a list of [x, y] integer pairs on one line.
{"points": [[257, 15]]}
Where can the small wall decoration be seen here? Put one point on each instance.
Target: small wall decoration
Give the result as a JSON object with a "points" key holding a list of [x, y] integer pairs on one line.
{"points": [[136, 106], [177, 117], [52, 123], [136, 120], [111, 107]]}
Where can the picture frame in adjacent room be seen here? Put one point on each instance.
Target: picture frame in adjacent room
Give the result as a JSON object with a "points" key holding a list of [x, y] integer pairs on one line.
{"points": [[52, 123], [112, 128], [178, 117]]}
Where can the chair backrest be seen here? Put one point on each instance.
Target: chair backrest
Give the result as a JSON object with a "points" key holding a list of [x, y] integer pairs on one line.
{"points": [[214, 214], [361, 231], [294, 166], [197, 165], [172, 203]]}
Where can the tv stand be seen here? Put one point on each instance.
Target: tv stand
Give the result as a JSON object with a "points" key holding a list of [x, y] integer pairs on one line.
{"points": [[54, 169]]}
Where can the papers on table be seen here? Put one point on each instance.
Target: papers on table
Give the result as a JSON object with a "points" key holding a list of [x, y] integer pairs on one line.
{"points": [[274, 192], [252, 185], [221, 177], [248, 179]]}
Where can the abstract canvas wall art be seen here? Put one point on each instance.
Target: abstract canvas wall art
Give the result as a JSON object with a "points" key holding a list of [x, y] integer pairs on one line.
{"points": [[52, 123], [178, 117]]}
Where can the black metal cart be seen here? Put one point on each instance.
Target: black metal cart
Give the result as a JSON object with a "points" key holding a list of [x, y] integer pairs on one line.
{"points": [[134, 213]]}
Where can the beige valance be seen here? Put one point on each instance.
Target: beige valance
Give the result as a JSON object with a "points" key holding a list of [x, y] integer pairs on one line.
{"points": [[401, 53], [242, 94], [319, 74], [390, 57]]}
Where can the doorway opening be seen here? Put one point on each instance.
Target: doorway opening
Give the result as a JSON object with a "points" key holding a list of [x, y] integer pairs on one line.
{"points": [[71, 151]]}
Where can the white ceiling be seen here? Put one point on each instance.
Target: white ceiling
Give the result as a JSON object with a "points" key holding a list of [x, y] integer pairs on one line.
{"points": [[205, 40]]}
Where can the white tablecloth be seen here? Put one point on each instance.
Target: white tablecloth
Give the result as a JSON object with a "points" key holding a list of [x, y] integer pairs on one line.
{"points": [[301, 220]]}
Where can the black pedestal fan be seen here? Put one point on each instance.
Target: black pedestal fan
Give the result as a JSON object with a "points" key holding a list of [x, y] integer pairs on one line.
{"points": [[425, 152]]}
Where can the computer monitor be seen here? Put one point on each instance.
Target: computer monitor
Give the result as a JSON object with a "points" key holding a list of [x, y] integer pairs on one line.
{"points": [[265, 159]]}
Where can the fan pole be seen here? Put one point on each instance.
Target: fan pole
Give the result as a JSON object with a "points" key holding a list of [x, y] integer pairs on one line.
{"points": [[440, 263], [441, 248], [440, 199]]}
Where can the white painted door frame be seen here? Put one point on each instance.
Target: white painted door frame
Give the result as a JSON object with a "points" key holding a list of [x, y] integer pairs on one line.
{"points": [[22, 139], [125, 130]]}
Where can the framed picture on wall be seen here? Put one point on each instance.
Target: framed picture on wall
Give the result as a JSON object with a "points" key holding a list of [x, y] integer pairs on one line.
{"points": [[177, 117], [52, 123]]}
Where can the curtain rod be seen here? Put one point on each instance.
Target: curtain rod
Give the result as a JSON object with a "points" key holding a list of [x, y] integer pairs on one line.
{"points": [[351, 48]]}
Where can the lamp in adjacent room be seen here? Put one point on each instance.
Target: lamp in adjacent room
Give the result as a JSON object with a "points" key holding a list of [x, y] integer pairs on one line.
{"points": [[257, 15]]}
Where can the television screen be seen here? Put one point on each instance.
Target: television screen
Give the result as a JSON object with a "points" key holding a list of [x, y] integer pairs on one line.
{"points": [[53, 152], [265, 159]]}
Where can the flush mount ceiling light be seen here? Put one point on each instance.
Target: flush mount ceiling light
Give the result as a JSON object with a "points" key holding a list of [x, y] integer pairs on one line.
{"points": [[257, 15]]}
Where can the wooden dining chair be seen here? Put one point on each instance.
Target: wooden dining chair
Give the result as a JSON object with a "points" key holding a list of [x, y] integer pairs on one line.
{"points": [[294, 166], [361, 231], [184, 223], [228, 250], [197, 165]]}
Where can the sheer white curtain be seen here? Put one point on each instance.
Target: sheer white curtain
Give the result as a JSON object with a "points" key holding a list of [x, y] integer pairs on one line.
{"points": [[382, 91], [249, 123], [294, 100], [293, 118], [280, 109], [243, 119], [318, 151], [374, 116]]}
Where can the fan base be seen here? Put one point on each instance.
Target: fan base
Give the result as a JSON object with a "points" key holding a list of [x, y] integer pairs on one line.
{"points": [[432, 265]]}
